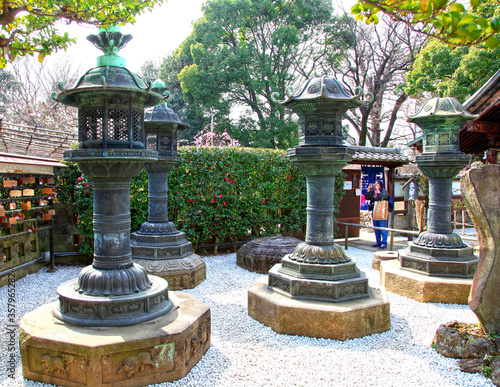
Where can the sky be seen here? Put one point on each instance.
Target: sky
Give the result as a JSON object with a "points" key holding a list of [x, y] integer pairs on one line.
{"points": [[156, 34]]}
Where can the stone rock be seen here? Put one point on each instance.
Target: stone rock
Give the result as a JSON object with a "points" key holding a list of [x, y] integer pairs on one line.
{"points": [[471, 366], [383, 256], [480, 187], [261, 254], [495, 372], [449, 342], [478, 347]]}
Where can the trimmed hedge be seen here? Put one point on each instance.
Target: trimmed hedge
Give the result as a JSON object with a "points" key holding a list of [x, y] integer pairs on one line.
{"points": [[215, 195]]}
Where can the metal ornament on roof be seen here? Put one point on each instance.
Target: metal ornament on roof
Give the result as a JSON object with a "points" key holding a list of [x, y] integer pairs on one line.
{"points": [[439, 251], [158, 246], [110, 99], [318, 268]]}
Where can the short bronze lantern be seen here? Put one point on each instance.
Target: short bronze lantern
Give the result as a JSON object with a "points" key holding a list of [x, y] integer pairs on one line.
{"points": [[158, 246]]}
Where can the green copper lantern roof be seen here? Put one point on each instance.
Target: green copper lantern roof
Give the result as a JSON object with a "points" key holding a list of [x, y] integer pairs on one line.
{"points": [[441, 113], [440, 120], [161, 115], [325, 90], [110, 79]]}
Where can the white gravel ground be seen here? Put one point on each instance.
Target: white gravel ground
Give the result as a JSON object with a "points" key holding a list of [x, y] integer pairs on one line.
{"points": [[247, 353]]}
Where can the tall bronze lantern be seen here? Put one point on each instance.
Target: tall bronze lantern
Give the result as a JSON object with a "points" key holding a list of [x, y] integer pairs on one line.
{"points": [[439, 251], [110, 100], [318, 283]]}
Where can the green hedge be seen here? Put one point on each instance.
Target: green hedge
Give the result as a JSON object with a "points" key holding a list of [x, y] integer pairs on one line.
{"points": [[215, 195]]}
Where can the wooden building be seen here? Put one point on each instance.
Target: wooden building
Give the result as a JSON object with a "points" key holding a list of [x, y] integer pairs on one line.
{"points": [[483, 134]]}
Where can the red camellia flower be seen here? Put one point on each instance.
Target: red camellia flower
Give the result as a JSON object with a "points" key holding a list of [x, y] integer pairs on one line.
{"points": [[279, 187], [190, 200], [209, 167], [224, 204], [213, 200], [231, 182], [227, 179], [220, 195], [263, 201], [227, 165], [80, 178]]}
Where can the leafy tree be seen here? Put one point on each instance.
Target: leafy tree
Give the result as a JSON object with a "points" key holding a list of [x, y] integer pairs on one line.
{"points": [[241, 51], [377, 62], [441, 70], [445, 20], [149, 71], [28, 27]]}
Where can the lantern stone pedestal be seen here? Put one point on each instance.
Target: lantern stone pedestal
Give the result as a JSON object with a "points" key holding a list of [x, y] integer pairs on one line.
{"points": [[438, 252], [317, 290], [338, 321], [424, 288], [161, 350]]}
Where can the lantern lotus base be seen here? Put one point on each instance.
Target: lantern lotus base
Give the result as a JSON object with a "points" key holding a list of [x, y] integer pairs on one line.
{"points": [[169, 257], [436, 261]]}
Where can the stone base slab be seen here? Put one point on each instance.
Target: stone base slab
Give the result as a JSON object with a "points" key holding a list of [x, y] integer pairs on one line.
{"points": [[339, 321], [424, 288], [383, 256], [180, 273], [161, 350]]}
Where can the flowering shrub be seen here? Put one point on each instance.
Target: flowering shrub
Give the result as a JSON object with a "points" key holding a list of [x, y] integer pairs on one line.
{"points": [[221, 194], [208, 137]]}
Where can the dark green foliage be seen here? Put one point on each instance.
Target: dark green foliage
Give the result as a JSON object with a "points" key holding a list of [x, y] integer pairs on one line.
{"points": [[241, 52], [215, 195]]}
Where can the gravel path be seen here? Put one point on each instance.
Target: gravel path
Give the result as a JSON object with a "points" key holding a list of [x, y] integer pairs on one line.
{"points": [[247, 353]]}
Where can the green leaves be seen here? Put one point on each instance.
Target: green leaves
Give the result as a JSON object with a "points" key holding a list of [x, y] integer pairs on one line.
{"points": [[445, 20], [28, 27]]}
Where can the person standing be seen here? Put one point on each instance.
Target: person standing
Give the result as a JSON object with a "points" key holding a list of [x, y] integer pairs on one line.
{"points": [[379, 195]]}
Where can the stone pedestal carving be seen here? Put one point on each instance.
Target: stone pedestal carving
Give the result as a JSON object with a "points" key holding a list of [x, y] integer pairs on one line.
{"points": [[162, 350], [480, 187]]}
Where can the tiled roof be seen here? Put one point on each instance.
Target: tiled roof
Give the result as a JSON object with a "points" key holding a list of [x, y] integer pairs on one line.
{"points": [[378, 155], [10, 158]]}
